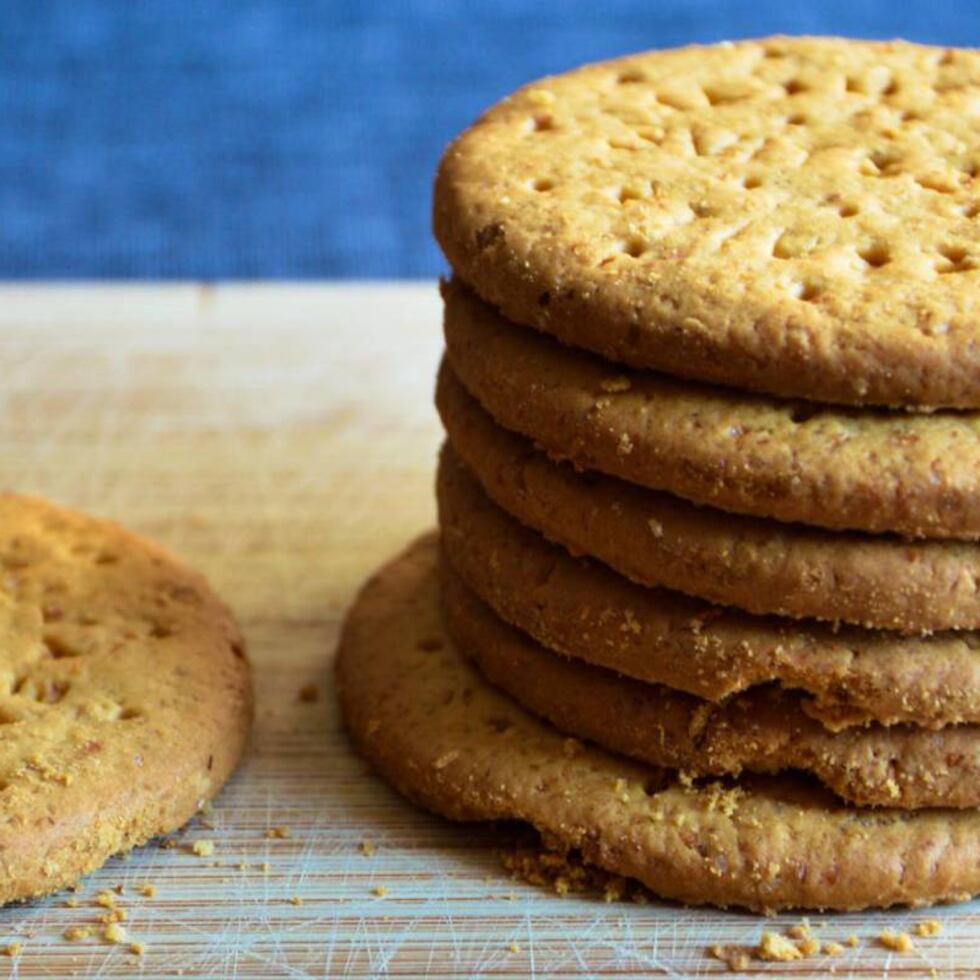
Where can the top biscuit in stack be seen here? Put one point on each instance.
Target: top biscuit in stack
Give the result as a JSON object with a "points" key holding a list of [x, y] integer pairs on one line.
{"points": [[794, 216]]}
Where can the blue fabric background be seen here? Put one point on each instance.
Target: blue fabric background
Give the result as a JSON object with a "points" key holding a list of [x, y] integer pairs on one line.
{"points": [[297, 138]]}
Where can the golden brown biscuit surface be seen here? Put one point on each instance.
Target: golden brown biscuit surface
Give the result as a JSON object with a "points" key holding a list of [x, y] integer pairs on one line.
{"points": [[582, 609], [125, 697], [432, 727], [861, 469], [760, 566], [791, 215]]}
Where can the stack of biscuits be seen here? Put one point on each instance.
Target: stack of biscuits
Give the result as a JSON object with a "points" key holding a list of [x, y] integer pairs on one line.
{"points": [[704, 601]]}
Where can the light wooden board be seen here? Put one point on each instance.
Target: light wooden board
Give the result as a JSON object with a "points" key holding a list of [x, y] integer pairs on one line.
{"points": [[282, 440]]}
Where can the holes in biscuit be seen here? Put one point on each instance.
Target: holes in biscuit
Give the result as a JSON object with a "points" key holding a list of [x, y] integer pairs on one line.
{"points": [[847, 210], [130, 714], [429, 644], [541, 123], [161, 631], [633, 246], [58, 647], [940, 183], [631, 76], [794, 87], [953, 258], [626, 194], [106, 558], [499, 725], [971, 209], [883, 163], [807, 292], [852, 84], [875, 254], [751, 181], [542, 184], [797, 119]]}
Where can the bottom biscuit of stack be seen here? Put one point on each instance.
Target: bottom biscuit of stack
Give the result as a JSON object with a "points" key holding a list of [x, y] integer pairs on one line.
{"points": [[422, 712]]}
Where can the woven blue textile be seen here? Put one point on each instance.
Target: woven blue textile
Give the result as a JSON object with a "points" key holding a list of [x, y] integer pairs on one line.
{"points": [[294, 138]]}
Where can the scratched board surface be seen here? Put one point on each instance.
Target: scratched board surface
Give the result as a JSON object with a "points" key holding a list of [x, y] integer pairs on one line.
{"points": [[281, 439]]}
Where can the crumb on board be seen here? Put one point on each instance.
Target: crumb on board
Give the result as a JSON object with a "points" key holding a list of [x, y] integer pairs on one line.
{"points": [[736, 958], [72, 902], [277, 833], [114, 915], [832, 949], [115, 933], [366, 847], [897, 942], [203, 848], [148, 890], [296, 900], [76, 934], [514, 948], [12, 949], [379, 890], [777, 948], [851, 940], [309, 693], [928, 928], [137, 949], [105, 899]]}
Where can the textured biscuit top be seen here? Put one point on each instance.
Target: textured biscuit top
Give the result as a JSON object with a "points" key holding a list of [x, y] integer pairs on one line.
{"points": [[125, 696], [793, 215]]}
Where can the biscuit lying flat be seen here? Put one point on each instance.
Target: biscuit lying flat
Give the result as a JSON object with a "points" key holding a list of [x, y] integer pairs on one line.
{"points": [[757, 565], [125, 696], [580, 608], [764, 730], [914, 474], [433, 728], [795, 215]]}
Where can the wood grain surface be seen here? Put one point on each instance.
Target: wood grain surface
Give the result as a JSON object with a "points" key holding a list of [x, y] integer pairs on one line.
{"points": [[282, 440]]}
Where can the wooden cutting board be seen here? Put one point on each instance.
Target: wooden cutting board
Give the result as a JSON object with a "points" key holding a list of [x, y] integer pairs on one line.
{"points": [[281, 439]]}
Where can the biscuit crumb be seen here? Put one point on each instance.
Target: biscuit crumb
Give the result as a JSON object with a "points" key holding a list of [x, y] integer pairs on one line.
{"points": [[115, 933], [72, 903], [778, 948], [12, 949], [366, 847], [899, 942], [277, 833], [296, 900], [832, 949], [851, 941], [514, 948], [617, 384], [106, 899], [929, 927], [148, 891], [75, 934], [736, 958], [379, 890], [137, 949], [203, 848], [309, 693]]}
